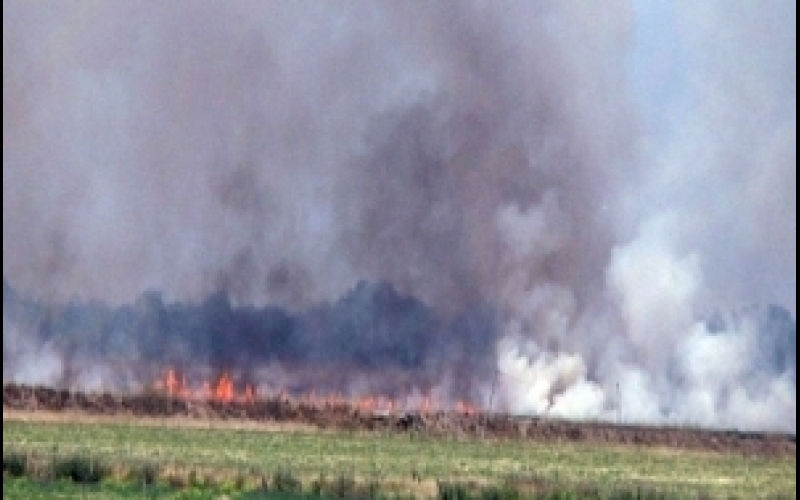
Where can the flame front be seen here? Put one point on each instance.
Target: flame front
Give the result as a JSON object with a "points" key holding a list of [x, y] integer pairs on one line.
{"points": [[224, 390]]}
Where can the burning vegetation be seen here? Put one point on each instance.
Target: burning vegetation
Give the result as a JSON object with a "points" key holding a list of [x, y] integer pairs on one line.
{"points": [[374, 349], [364, 414], [224, 390]]}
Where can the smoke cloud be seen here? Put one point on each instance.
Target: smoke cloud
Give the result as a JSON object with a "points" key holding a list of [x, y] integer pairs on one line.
{"points": [[549, 207]]}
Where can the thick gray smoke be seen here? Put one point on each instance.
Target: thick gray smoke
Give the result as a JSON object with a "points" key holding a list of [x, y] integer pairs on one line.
{"points": [[593, 204]]}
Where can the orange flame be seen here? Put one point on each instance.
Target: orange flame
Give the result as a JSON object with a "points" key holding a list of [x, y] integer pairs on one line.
{"points": [[223, 390], [427, 404], [249, 393], [174, 386], [466, 408], [171, 383]]}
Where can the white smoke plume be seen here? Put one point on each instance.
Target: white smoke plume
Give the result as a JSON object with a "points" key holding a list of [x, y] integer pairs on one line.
{"points": [[614, 181]]}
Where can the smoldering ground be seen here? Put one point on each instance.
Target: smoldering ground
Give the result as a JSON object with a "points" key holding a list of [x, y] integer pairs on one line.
{"points": [[546, 191]]}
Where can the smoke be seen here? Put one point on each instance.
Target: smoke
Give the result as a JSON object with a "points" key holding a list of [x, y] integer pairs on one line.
{"points": [[371, 341], [542, 205]]}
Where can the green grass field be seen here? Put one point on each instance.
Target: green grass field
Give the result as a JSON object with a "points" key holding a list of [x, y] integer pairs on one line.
{"points": [[195, 462], [32, 489]]}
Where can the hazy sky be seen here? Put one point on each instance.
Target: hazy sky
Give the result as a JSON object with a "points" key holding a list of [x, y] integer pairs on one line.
{"points": [[117, 119]]}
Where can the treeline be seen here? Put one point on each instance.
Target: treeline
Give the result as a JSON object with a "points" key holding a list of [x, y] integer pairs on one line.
{"points": [[371, 327]]}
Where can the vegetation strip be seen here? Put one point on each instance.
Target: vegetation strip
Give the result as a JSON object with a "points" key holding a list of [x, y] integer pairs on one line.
{"points": [[345, 417], [377, 464]]}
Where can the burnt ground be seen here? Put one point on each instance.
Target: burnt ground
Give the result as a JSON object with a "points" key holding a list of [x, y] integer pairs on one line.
{"points": [[344, 416]]}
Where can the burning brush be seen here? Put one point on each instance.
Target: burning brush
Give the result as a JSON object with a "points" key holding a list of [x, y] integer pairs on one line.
{"points": [[224, 390]]}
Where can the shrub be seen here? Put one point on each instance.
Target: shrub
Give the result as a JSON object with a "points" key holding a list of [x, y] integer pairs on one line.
{"points": [[283, 480], [343, 487], [178, 480], [15, 464], [452, 491], [318, 486], [504, 493], [146, 473], [80, 469], [469, 491]]}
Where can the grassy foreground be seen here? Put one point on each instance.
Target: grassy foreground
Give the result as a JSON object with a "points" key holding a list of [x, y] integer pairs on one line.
{"points": [[129, 459]]}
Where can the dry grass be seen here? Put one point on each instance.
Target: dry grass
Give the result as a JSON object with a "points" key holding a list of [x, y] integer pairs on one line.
{"points": [[46, 416]]}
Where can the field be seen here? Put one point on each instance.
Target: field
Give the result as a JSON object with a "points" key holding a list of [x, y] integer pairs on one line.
{"points": [[187, 458]]}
